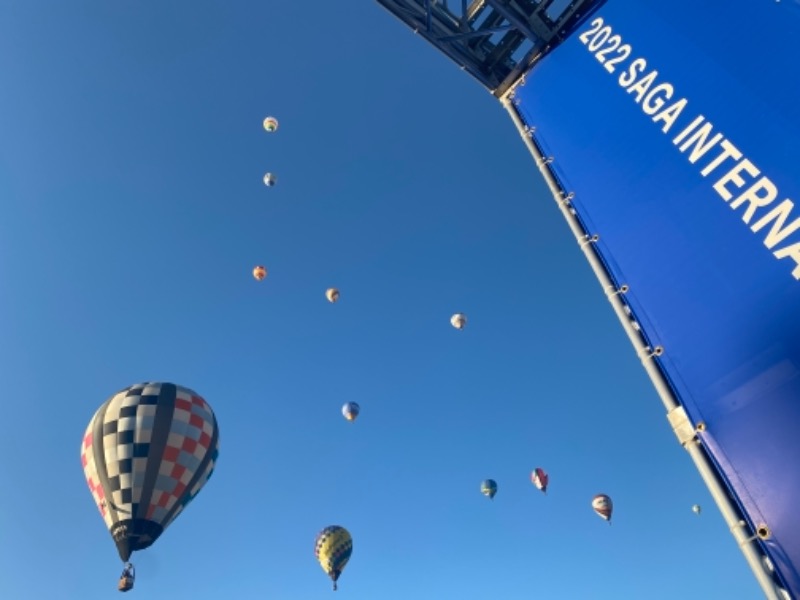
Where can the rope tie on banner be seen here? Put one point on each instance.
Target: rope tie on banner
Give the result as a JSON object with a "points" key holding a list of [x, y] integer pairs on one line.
{"points": [[567, 199], [545, 161], [743, 526], [651, 352], [589, 240], [612, 291]]}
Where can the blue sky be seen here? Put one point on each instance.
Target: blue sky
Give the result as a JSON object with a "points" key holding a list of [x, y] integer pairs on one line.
{"points": [[133, 211]]}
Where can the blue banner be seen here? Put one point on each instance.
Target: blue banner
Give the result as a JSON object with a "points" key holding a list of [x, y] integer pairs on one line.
{"points": [[677, 127]]}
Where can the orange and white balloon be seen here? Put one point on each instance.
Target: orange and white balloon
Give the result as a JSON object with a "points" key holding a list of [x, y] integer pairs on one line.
{"points": [[259, 272], [332, 294]]}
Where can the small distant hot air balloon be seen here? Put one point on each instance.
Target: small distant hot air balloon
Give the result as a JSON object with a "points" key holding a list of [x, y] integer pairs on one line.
{"points": [[350, 411], [259, 272], [489, 488], [146, 454], [458, 320], [333, 548], [271, 124], [603, 506], [270, 179], [332, 294], [696, 509], [540, 479]]}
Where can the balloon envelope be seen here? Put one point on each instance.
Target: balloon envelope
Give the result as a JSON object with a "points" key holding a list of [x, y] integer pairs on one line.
{"points": [[458, 321], [332, 294], [603, 506], [333, 548], [350, 411], [489, 487], [147, 452], [696, 508], [259, 272], [270, 179], [271, 124], [540, 479]]}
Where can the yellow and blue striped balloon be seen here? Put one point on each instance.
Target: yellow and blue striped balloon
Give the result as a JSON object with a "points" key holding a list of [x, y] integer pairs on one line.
{"points": [[333, 548], [489, 488]]}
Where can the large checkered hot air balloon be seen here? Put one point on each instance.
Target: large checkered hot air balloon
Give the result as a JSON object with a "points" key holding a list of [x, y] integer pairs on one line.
{"points": [[333, 548], [147, 452]]}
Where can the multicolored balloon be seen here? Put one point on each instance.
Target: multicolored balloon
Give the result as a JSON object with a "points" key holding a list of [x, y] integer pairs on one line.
{"points": [[259, 272], [333, 548], [350, 411], [603, 506], [489, 488], [540, 479], [332, 294], [271, 124], [458, 320], [270, 179], [146, 454]]}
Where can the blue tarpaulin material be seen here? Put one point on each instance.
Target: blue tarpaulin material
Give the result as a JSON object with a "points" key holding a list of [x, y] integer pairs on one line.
{"points": [[677, 127]]}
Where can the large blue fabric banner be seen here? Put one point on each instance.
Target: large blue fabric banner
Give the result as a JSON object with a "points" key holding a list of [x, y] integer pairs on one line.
{"points": [[677, 127]]}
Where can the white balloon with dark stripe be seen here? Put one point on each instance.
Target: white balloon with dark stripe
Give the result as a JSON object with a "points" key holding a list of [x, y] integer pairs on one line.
{"points": [[147, 452]]}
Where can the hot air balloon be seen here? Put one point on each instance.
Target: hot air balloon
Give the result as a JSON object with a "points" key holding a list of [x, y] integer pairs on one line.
{"points": [[147, 452], [333, 548], [270, 179], [271, 124], [540, 479], [603, 506], [458, 321], [489, 488], [696, 509], [332, 294], [259, 272], [350, 411]]}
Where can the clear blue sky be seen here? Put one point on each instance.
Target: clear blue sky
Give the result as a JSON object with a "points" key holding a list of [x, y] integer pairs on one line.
{"points": [[132, 212]]}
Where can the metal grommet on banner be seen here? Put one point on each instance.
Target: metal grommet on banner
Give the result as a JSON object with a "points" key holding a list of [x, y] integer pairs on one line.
{"points": [[763, 532], [700, 427]]}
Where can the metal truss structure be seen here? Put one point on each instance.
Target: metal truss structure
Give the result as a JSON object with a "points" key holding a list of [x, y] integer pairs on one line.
{"points": [[496, 41]]}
